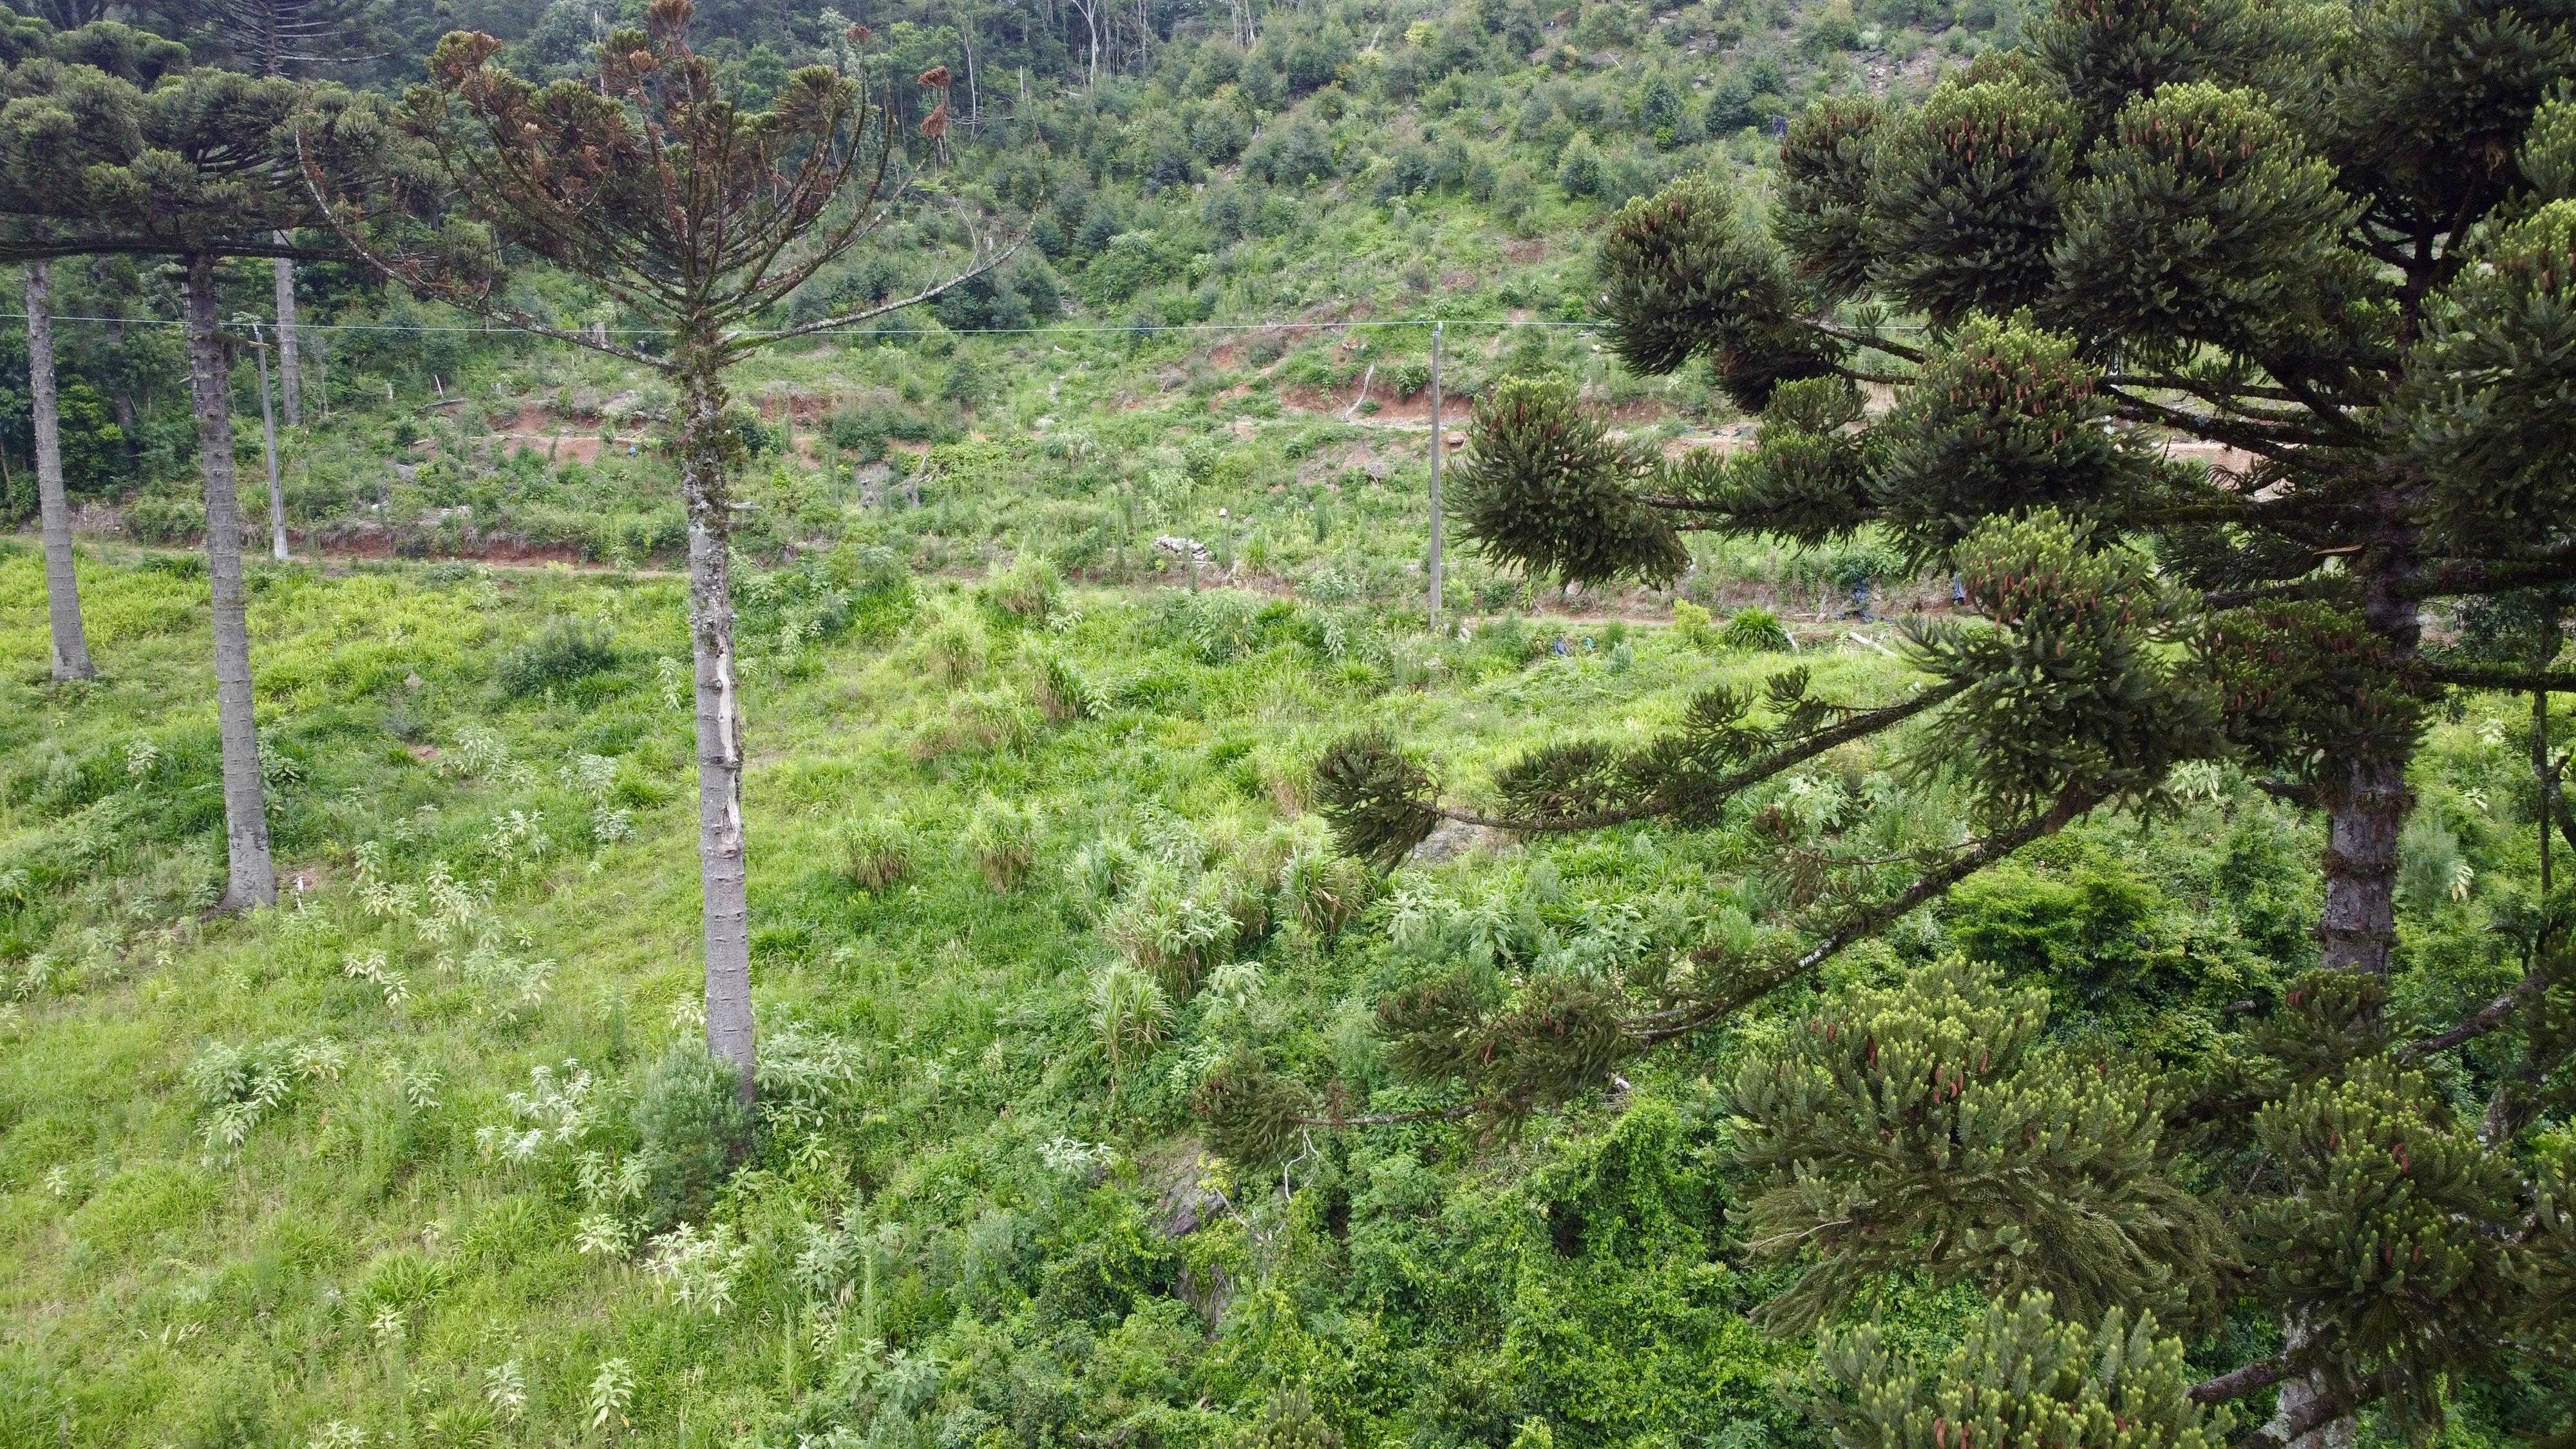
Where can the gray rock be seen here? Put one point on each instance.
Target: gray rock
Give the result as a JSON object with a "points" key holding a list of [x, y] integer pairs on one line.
{"points": [[1454, 838]]}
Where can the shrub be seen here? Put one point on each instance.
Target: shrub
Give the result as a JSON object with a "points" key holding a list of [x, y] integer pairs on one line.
{"points": [[1692, 625], [876, 853], [1322, 890], [1001, 838], [953, 648], [1759, 630], [690, 1128], [565, 652], [1028, 591]]}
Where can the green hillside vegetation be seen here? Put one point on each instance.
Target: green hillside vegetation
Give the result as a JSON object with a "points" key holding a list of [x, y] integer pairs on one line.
{"points": [[1449, 170], [1033, 861], [1976, 860]]}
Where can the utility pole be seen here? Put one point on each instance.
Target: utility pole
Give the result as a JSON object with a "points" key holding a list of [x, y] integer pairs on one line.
{"points": [[1436, 441], [268, 432]]}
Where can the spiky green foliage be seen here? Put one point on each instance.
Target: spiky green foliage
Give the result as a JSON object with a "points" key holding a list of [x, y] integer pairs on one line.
{"points": [[2107, 51], [1252, 1113], [1825, 165], [2021, 1375], [2383, 1241], [93, 161], [2007, 420], [1929, 1127], [1964, 198], [2490, 397], [1808, 483], [2072, 685], [1510, 1047], [1689, 275], [1289, 1421], [1581, 520], [2206, 219], [1375, 798]]}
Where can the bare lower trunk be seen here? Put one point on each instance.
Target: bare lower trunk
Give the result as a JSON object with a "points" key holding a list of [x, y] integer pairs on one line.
{"points": [[727, 907], [2366, 801], [253, 880], [2365, 810], [290, 376], [54, 513]]}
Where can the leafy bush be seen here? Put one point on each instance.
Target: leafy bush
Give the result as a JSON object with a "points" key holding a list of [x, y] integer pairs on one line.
{"points": [[1692, 626], [690, 1128], [565, 652]]}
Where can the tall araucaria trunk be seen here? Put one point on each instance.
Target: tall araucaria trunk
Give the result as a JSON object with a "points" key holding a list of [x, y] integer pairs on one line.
{"points": [[2365, 792], [253, 879], [290, 373], [2366, 801], [62, 582], [703, 456]]}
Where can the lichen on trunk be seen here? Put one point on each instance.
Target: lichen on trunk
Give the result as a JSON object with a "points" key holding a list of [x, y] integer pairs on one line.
{"points": [[704, 447]]}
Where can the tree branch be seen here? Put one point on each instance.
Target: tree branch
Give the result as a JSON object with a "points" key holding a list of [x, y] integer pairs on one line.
{"points": [[2470, 676], [2486, 1019], [1859, 726], [2237, 1383], [870, 314], [2071, 802], [2288, 1429], [1869, 340], [1389, 1119]]}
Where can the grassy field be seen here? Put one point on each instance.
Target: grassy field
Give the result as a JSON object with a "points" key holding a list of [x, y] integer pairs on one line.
{"points": [[381, 1165]]}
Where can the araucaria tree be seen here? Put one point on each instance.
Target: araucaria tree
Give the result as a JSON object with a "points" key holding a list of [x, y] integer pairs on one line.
{"points": [[134, 56], [2338, 242], [108, 146], [696, 217]]}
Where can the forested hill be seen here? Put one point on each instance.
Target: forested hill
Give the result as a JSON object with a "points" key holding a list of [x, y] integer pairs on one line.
{"points": [[1347, 163]]}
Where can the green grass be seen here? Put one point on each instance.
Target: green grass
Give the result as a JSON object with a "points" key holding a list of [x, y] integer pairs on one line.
{"points": [[963, 1217], [359, 1258]]}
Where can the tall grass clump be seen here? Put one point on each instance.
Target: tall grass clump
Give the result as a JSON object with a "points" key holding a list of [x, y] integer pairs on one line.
{"points": [[1001, 839], [1028, 591], [877, 852], [1756, 630]]}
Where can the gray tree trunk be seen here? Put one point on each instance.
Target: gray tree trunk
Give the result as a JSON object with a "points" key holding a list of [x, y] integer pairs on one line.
{"points": [[54, 513], [727, 908], [2366, 801], [290, 377], [253, 878]]}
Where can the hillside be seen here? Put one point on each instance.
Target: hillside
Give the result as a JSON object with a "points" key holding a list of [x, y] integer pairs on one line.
{"points": [[334, 1168], [1969, 857], [1289, 216]]}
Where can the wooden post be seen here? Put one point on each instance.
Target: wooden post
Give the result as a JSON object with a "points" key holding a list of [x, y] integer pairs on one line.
{"points": [[268, 432], [1436, 441]]}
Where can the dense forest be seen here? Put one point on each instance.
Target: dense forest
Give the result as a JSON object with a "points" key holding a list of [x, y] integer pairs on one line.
{"points": [[1428, 724]]}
